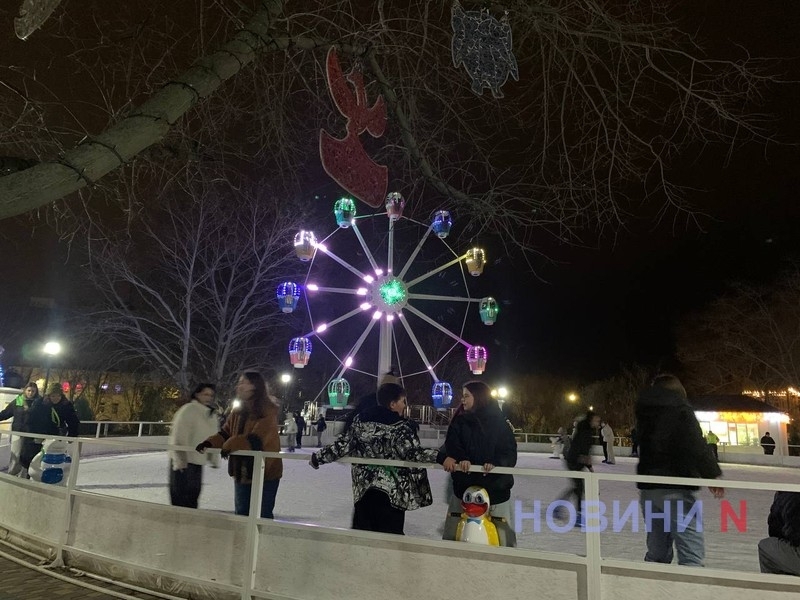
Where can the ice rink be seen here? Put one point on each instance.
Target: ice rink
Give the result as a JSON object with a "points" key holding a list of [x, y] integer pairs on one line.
{"points": [[324, 497]]}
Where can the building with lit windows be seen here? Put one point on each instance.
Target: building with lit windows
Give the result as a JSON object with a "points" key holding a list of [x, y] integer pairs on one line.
{"points": [[740, 420]]}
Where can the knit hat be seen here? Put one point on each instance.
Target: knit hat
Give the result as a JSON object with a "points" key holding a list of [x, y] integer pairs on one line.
{"points": [[54, 388]]}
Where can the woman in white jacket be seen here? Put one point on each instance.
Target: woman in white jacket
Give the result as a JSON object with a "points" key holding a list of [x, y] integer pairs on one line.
{"points": [[193, 423]]}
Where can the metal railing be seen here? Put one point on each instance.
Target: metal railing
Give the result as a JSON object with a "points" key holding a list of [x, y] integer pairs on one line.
{"points": [[593, 561]]}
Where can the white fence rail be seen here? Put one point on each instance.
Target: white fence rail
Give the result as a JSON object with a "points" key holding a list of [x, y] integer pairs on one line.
{"points": [[213, 555]]}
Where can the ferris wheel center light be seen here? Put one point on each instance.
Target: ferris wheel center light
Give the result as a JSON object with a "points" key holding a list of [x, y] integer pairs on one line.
{"points": [[392, 292]]}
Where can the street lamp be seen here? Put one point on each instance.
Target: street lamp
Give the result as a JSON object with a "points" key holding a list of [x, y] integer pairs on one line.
{"points": [[501, 394], [286, 379], [51, 349], [572, 397]]}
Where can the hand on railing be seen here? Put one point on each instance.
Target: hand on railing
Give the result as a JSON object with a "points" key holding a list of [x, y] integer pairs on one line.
{"points": [[201, 447]]}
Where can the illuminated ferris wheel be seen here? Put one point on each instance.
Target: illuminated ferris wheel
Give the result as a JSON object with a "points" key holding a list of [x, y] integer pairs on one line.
{"points": [[382, 297]]}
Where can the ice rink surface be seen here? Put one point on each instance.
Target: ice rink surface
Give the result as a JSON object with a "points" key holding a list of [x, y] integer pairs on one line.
{"points": [[324, 497]]}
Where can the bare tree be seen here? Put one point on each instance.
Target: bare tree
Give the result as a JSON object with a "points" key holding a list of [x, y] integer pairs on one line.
{"points": [[614, 398], [192, 292], [748, 338], [609, 94]]}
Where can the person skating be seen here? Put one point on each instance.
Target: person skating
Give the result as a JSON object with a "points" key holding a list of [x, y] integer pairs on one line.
{"points": [[672, 445], [577, 458]]}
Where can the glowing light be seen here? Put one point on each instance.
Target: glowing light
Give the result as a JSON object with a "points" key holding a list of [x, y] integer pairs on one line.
{"points": [[288, 295], [361, 291], [312, 287], [378, 272], [392, 292], [322, 328], [366, 306], [390, 317], [442, 223], [572, 397], [706, 415], [348, 361], [304, 244], [345, 211], [441, 394], [52, 348], [476, 260], [476, 359], [299, 352], [322, 247], [369, 278], [285, 378], [237, 403], [377, 315]]}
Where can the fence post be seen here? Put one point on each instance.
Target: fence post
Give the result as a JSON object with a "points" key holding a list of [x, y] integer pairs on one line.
{"points": [[251, 543], [99, 426], [592, 532], [66, 523], [141, 425]]}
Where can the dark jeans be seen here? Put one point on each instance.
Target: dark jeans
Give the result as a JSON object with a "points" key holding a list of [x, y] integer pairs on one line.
{"points": [[714, 451], [184, 485], [299, 438], [30, 448], [374, 512], [605, 450], [241, 497], [575, 492]]}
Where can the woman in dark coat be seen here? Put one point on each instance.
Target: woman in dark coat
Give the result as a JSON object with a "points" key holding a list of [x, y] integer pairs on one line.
{"points": [[480, 435]]}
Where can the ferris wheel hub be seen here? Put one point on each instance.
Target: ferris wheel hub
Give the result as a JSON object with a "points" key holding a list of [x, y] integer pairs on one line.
{"points": [[389, 294]]}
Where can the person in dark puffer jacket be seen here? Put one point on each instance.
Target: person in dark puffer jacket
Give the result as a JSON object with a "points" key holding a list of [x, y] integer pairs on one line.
{"points": [[780, 552], [480, 435], [382, 495], [671, 444]]}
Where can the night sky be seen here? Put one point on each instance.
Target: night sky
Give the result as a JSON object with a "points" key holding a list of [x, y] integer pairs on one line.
{"points": [[617, 299]]}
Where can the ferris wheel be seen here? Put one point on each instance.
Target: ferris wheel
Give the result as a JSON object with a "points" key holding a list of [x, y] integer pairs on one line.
{"points": [[381, 295]]}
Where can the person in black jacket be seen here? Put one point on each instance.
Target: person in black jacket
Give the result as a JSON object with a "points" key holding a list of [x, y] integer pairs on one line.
{"points": [[19, 409], [480, 435], [671, 444], [768, 444], [49, 416], [577, 458], [301, 428], [780, 552]]}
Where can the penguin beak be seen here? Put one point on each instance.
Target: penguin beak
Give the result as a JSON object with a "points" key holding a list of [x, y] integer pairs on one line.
{"points": [[472, 509]]}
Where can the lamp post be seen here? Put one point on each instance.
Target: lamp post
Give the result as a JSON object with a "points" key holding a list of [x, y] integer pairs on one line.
{"points": [[51, 349], [286, 380], [501, 394], [572, 397]]}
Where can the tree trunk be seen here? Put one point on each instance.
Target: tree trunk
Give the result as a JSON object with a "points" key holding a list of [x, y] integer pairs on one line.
{"points": [[148, 124]]}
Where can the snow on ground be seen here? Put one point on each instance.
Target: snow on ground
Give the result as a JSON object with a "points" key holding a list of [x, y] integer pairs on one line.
{"points": [[324, 497]]}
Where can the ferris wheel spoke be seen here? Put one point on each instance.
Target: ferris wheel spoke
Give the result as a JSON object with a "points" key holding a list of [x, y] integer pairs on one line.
{"points": [[364, 246], [417, 345], [442, 298], [356, 347], [441, 328], [414, 282], [325, 326], [414, 254], [341, 261], [312, 287], [390, 249]]}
